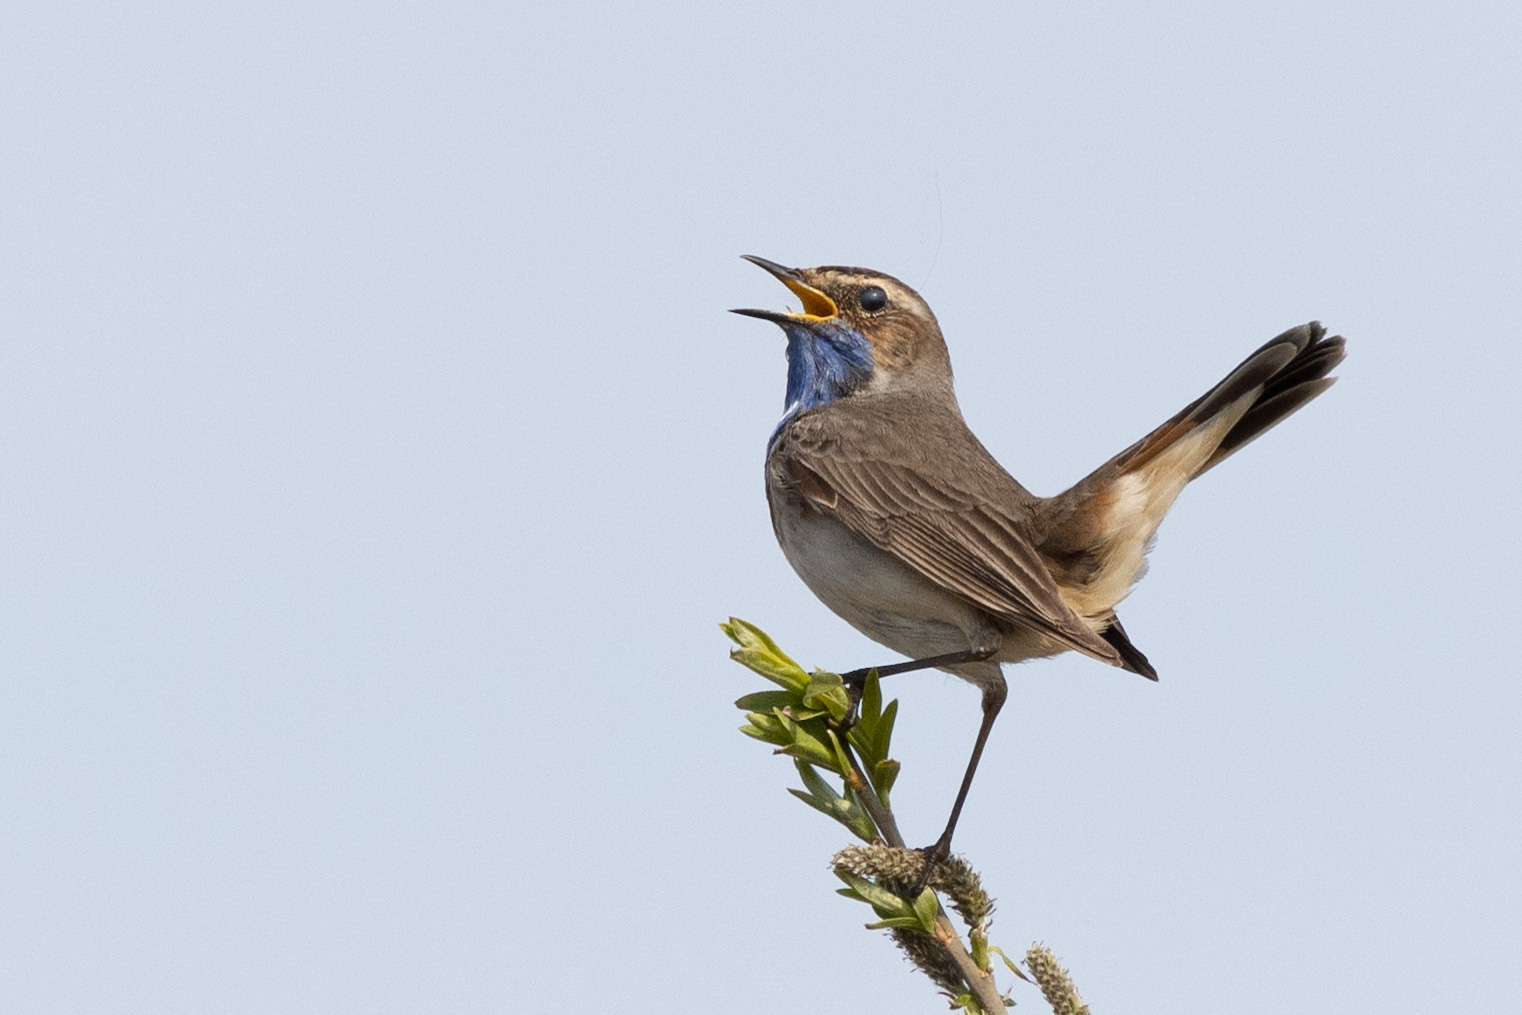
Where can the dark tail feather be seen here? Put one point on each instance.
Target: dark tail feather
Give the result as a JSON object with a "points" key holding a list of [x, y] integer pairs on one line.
{"points": [[1129, 653], [1287, 372], [1300, 380], [1096, 541]]}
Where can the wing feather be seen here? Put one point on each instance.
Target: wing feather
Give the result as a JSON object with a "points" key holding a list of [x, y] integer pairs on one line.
{"points": [[969, 545]]}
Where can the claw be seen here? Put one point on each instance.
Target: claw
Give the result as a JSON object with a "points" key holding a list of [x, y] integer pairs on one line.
{"points": [[856, 685], [934, 855]]}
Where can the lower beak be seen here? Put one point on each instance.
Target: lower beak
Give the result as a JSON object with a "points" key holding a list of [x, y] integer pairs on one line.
{"points": [[775, 316]]}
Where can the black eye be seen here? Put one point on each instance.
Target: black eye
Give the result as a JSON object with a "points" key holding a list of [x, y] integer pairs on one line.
{"points": [[872, 299]]}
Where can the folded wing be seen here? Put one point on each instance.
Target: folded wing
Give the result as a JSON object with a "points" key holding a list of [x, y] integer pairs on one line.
{"points": [[970, 546]]}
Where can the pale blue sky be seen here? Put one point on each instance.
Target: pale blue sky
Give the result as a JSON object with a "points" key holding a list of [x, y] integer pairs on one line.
{"points": [[378, 460]]}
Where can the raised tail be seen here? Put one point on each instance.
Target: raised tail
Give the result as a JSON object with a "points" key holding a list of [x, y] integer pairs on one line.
{"points": [[1095, 536], [1283, 391]]}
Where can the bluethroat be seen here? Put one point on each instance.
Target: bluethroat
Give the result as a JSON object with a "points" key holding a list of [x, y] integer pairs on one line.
{"points": [[901, 522]]}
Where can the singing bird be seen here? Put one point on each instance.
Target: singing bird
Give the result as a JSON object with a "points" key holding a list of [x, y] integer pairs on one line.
{"points": [[903, 524]]}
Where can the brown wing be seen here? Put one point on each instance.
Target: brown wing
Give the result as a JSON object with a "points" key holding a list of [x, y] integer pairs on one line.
{"points": [[968, 545]]}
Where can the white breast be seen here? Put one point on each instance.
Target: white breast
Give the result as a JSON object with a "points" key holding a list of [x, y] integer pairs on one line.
{"points": [[872, 590]]}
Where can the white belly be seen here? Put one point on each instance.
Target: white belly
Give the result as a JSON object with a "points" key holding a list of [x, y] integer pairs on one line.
{"points": [[875, 592]]}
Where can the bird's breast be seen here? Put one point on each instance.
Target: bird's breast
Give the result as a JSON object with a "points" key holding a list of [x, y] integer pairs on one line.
{"points": [[869, 588]]}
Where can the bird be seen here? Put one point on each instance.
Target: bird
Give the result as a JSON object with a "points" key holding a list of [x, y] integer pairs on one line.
{"points": [[901, 522]]}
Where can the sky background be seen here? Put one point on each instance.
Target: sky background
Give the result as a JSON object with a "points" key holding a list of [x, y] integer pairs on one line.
{"points": [[377, 460]]}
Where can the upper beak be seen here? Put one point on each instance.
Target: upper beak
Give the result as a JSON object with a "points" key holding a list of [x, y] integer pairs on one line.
{"points": [[816, 305]]}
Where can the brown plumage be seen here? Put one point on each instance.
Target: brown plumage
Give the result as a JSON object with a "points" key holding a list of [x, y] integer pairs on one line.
{"points": [[939, 503]]}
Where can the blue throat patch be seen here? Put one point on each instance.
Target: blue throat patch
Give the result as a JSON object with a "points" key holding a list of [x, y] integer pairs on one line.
{"points": [[824, 362]]}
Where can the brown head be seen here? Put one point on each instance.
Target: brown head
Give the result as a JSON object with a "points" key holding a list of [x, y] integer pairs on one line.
{"points": [[847, 306]]}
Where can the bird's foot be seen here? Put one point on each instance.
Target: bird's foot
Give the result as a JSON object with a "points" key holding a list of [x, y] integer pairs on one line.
{"points": [[934, 855], [856, 685]]}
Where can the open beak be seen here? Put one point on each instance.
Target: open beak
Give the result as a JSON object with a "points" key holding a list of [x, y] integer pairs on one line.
{"points": [[816, 305]]}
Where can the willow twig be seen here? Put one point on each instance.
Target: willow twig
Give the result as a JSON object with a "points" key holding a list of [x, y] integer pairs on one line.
{"points": [[979, 981]]}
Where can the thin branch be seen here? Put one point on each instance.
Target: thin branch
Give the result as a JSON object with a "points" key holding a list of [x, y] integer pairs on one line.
{"points": [[981, 982], [862, 787]]}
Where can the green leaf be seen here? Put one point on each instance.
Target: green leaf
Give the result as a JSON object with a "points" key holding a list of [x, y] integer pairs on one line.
{"points": [[826, 691], [884, 775], [815, 782], [883, 731], [884, 902], [768, 728], [926, 907], [759, 734], [842, 763], [761, 654], [873, 733], [748, 635], [906, 922], [845, 809], [872, 699], [863, 735], [967, 1003], [765, 701], [980, 951], [806, 746], [752, 731], [1012, 967], [796, 720], [818, 805], [860, 823]]}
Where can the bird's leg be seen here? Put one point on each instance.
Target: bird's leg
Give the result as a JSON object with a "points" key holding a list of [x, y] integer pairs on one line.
{"points": [[935, 855], [856, 680]]}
